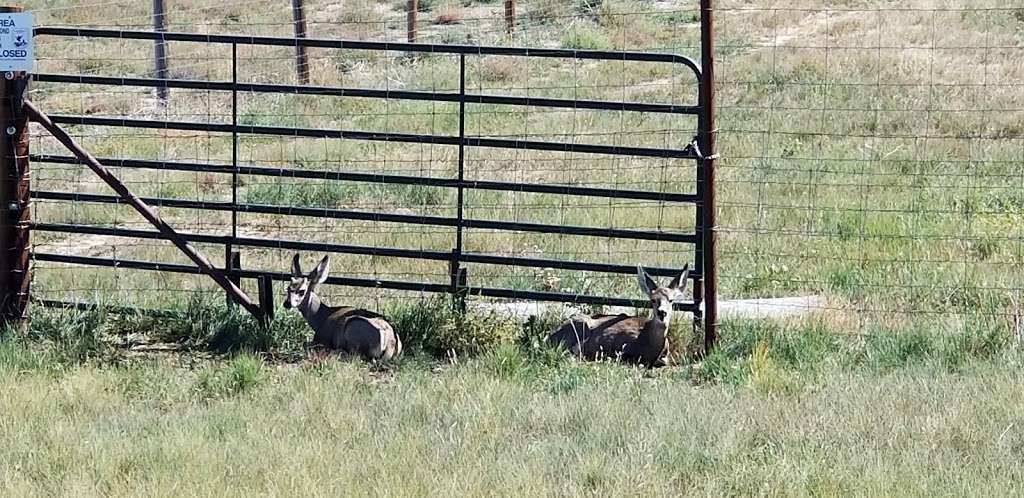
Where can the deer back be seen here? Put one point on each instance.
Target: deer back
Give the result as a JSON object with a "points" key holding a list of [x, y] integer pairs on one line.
{"points": [[356, 331], [611, 334], [598, 336]]}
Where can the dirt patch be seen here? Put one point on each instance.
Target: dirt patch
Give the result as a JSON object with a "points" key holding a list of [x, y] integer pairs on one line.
{"points": [[808, 26]]}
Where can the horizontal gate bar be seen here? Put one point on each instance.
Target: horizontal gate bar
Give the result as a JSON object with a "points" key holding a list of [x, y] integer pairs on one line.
{"points": [[572, 298], [363, 282], [179, 268], [368, 93], [613, 150], [380, 217], [369, 45], [360, 250], [380, 178]]}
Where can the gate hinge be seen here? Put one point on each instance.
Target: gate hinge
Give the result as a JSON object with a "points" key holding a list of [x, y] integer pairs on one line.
{"points": [[18, 98]]}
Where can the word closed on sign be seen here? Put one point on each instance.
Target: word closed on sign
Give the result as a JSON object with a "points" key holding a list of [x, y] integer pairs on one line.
{"points": [[16, 41]]}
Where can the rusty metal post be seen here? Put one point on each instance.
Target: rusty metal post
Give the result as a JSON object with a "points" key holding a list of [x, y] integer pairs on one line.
{"points": [[14, 196], [160, 47], [706, 134], [410, 20], [301, 58], [510, 16]]}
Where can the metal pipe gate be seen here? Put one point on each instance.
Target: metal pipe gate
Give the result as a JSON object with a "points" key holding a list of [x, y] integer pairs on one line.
{"points": [[701, 151]]}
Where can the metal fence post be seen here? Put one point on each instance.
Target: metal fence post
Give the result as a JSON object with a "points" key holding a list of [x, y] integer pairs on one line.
{"points": [[160, 48], [266, 295], [14, 197], [411, 20], [301, 59], [457, 273], [706, 139], [233, 259], [232, 267]]}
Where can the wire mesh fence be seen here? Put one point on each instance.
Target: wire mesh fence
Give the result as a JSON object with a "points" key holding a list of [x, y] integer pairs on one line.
{"points": [[873, 159], [872, 155]]}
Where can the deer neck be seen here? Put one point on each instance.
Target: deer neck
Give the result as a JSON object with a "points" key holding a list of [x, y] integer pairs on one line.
{"points": [[654, 330], [310, 307], [664, 322]]}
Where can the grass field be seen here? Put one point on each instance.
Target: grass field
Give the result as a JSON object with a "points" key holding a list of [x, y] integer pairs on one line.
{"points": [[871, 155], [778, 410]]}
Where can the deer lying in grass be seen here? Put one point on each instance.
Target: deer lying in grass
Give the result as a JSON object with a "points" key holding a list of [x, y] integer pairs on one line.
{"points": [[631, 339], [351, 330]]}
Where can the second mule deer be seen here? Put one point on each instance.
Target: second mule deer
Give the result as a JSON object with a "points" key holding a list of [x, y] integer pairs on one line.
{"points": [[344, 328], [628, 338]]}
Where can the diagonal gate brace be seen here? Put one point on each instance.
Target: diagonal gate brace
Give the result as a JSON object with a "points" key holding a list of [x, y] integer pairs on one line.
{"points": [[169, 233]]}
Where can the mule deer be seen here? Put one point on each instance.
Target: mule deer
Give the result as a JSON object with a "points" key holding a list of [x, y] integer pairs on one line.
{"points": [[351, 330], [631, 339]]}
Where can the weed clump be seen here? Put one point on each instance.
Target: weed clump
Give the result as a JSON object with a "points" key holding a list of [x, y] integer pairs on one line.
{"points": [[242, 374], [74, 336], [205, 325], [438, 328], [585, 38]]}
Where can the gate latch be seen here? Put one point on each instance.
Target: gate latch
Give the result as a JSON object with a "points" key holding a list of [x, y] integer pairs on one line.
{"points": [[694, 147]]}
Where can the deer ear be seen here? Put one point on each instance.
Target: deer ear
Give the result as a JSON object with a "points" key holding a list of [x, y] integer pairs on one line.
{"points": [[647, 284], [319, 274], [296, 267], [679, 283]]}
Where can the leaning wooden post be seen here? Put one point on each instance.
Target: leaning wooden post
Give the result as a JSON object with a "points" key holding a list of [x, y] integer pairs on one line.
{"points": [[15, 273], [160, 48], [301, 58], [510, 16], [142, 208], [411, 20]]}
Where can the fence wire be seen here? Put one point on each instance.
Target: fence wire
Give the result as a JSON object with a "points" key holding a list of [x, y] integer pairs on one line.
{"points": [[872, 163]]}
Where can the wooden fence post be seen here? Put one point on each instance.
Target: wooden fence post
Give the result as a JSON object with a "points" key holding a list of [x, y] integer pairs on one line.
{"points": [[160, 48], [411, 20], [510, 16], [301, 58], [14, 196]]}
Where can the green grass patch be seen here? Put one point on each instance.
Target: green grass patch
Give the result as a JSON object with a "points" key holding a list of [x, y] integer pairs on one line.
{"points": [[586, 38]]}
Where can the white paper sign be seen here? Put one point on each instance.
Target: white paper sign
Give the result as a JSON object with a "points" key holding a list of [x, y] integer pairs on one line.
{"points": [[16, 42]]}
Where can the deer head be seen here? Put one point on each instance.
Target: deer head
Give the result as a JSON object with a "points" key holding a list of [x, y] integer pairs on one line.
{"points": [[300, 293], [662, 298]]}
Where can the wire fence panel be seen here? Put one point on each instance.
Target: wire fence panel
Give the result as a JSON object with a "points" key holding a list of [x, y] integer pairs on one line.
{"points": [[873, 161]]}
